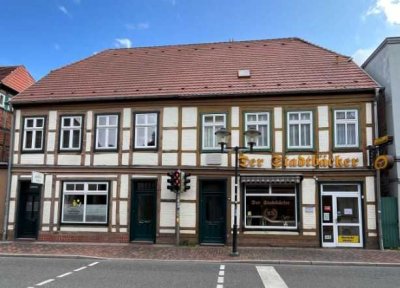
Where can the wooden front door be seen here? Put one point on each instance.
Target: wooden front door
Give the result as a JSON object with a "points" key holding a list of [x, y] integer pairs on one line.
{"points": [[143, 211], [28, 210], [212, 211]]}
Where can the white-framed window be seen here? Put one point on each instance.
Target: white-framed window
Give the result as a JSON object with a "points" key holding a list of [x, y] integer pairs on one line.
{"points": [[346, 128], [2, 100], [260, 122], [85, 202], [300, 130], [271, 206], [211, 124], [146, 130], [107, 132], [33, 137], [71, 133]]}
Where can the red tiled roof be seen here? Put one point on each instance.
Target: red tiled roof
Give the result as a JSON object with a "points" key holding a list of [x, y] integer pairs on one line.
{"points": [[276, 66], [16, 77]]}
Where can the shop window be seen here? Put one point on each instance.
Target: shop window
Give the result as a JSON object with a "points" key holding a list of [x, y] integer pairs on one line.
{"points": [[146, 130], [33, 136], [106, 132], [85, 202], [71, 133], [272, 206], [300, 130], [211, 123], [260, 122], [346, 128]]}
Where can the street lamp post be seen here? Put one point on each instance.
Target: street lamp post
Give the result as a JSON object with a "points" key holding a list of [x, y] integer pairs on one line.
{"points": [[251, 135]]}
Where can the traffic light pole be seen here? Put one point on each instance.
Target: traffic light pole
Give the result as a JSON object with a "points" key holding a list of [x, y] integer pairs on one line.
{"points": [[178, 215]]}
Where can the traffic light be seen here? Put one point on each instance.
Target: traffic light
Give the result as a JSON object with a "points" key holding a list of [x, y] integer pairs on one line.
{"points": [[177, 181], [170, 181], [185, 181]]}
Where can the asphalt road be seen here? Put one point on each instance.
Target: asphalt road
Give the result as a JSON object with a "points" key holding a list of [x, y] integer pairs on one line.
{"points": [[51, 272]]}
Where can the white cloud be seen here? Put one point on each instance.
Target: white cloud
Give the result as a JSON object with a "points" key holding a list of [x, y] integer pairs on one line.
{"points": [[361, 55], [139, 26], [123, 43], [390, 8], [64, 10]]}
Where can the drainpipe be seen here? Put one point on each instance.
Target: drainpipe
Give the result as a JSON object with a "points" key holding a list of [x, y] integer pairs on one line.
{"points": [[378, 173], [10, 162]]}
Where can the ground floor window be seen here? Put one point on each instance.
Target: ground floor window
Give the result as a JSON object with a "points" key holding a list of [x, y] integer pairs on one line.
{"points": [[85, 202], [271, 206]]}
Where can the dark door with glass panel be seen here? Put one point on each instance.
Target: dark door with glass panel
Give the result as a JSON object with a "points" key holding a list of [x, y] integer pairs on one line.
{"points": [[143, 211], [28, 210], [212, 211]]}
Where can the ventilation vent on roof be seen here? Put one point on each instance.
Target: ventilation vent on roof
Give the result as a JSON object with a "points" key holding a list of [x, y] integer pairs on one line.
{"points": [[245, 73]]}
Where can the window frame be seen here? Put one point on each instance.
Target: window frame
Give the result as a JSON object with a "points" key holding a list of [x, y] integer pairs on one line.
{"points": [[106, 149], [203, 115], [269, 125], [24, 130], [3, 101], [157, 130], [299, 123], [61, 129], [85, 192], [355, 121]]}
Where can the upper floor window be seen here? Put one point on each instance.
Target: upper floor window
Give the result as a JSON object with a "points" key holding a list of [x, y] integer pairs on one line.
{"points": [[346, 128], [211, 124], [2, 100], [71, 133], [146, 130], [33, 134], [260, 122], [299, 129], [106, 132]]}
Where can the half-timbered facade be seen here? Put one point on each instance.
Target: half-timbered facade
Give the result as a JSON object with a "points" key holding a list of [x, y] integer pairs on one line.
{"points": [[105, 132]]}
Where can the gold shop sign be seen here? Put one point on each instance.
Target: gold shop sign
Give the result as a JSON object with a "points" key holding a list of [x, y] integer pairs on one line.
{"points": [[246, 162]]}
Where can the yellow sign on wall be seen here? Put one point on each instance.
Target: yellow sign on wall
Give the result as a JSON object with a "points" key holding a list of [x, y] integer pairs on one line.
{"points": [[324, 161], [349, 239]]}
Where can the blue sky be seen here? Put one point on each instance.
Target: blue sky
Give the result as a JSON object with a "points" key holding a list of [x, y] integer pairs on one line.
{"points": [[46, 34]]}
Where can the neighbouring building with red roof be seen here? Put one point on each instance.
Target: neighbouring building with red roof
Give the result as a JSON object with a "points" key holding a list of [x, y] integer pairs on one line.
{"points": [[13, 80], [104, 133]]}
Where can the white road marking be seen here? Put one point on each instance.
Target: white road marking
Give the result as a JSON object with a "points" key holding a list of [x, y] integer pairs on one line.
{"points": [[221, 275], [220, 286], [220, 280], [45, 282], [65, 274], [79, 269], [270, 278], [94, 263], [222, 267]]}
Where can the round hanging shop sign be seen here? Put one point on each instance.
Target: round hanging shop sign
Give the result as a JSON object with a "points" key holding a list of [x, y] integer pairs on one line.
{"points": [[383, 162]]}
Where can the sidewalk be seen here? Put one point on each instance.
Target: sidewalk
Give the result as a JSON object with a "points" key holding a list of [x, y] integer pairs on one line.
{"points": [[315, 256]]}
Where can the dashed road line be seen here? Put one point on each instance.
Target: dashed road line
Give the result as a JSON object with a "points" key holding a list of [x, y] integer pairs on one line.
{"points": [[45, 282], [65, 274], [92, 264], [221, 275], [270, 278], [80, 269]]}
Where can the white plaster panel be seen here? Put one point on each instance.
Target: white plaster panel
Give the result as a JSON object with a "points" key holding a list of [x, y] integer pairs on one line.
{"points": [[123, 230], [66, 159], [50, 159], [57, 192], [167, 210], [123, 212], [15, 158], [235, 138], [46, 212], [11, 212], [189, 117], [55, 213], [145, 158], [125, 159], [191, 193], [51, 138], [52, 120], [309, 234], [114, 213], [233, 199], [167, 231], [126, 139], [188, 215], [170, 117], [371, 210], [369, 135], [278, 117], [323, 140], [323, 117], [92, 176], [308, 191], [32, 159], [10, 227], [264, 160], [170, 140], [170, 159], [368, 113], [113, 230], [165, 193], [17, 119], [235, 117], [16, 142], [370, 188], [45, 228], [191, 232], [188, 159], [126, 123], [83, 229], [372, 234], [114, 189], [106, 159], [309, 219], [358, 155], [124, 186], [278, 142], [138, 176], [89, 120], [219, 159], [87, 159], [189, 139], [48, 187], [14, 184], [88, 141]]}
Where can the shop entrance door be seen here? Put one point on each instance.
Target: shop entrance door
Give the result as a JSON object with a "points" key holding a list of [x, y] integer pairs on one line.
{"points": [[143, 210], [341, 215], [212, 211], [28, 210]]}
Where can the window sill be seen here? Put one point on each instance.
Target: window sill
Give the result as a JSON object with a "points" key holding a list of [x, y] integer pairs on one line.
{"points": [[258, 232]]}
